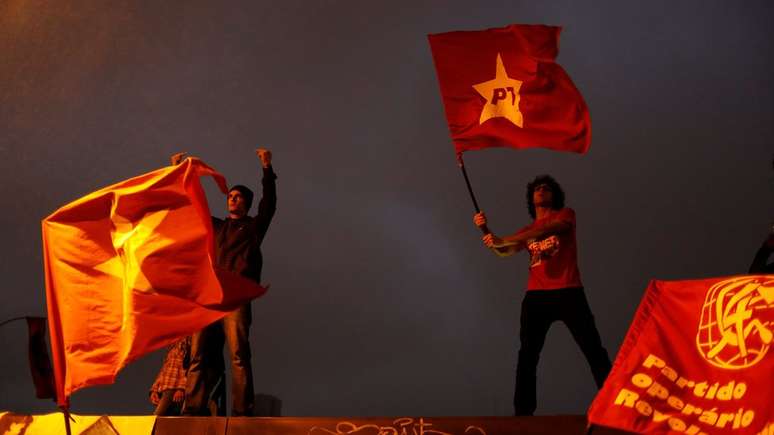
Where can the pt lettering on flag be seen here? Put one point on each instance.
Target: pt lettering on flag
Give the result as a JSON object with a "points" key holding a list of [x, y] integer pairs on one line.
{"points": [[697, 360], [503, 88]]}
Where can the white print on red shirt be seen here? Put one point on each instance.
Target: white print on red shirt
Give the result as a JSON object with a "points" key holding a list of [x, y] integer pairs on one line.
{"points": [[542, 249]]}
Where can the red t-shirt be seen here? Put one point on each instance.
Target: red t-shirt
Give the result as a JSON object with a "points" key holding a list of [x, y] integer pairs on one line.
{"points": [[553, 260]]}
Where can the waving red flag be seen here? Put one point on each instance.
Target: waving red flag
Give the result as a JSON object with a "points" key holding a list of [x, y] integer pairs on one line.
{"points": [[697, 359], [130, 269], [502, 87]]}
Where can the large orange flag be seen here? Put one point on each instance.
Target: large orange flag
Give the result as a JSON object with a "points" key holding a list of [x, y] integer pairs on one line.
{"points": [[697, 359], [130, 269]]}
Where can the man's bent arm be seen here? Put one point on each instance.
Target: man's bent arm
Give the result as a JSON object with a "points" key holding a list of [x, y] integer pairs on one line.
{"points": [[495, 243], [519, 239], [506, 251]]}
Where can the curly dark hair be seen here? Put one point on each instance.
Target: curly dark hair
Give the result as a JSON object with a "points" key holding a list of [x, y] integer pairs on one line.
{"points": [[556, 191]]}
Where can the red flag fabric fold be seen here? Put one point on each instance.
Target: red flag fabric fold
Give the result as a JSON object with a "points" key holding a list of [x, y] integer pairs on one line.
{"points": [[130, 269], [697, 359], [503, 87]]}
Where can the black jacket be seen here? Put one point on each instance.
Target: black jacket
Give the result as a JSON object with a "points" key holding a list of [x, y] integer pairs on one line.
{"points": [[238, 241]]}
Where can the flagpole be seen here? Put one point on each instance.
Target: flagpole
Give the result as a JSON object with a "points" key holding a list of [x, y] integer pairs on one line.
{"points": [[67, 417], [461, 164]]}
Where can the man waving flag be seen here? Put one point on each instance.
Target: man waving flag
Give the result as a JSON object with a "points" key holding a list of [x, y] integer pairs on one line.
{"points": [[502, 87]]}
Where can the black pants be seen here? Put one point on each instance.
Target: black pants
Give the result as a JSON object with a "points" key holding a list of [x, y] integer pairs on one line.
{"points": [[539, 310], [207, 352]]}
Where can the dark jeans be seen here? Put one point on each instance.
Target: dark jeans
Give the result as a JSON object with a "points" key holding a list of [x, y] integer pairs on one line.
{"points": [[539, 310], [207, 349]]}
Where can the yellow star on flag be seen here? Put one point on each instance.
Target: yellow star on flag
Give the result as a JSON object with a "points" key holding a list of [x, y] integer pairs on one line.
{"points": [[128, 238], [502, 96]]}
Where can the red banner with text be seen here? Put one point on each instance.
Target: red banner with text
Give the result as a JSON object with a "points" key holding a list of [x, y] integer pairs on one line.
{"points": [[697, 360]]}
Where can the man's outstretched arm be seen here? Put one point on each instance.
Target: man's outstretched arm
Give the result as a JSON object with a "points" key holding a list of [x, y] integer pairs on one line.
{"points": [[268, 204]]}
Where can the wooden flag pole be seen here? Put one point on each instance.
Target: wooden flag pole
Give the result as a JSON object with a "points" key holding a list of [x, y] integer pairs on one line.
{"points": [[461, 164]]}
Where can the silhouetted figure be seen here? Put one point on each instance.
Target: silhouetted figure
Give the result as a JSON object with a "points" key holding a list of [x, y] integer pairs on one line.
{"points": [[759, 264]]}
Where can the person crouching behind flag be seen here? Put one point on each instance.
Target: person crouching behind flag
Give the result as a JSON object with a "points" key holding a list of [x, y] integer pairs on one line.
{"points": [[168, 390], [554, 288]]}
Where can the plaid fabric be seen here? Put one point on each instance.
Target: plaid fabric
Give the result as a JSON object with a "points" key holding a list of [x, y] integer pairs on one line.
{"points": [[172, 373]]}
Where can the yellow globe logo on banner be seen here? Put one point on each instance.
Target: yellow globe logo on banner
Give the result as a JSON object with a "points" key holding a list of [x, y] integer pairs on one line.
{"points": [[737, 322]]}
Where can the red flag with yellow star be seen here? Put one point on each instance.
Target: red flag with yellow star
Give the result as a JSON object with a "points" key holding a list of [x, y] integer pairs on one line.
{"points": [[129, 269], [502, 87], [697, 359]]}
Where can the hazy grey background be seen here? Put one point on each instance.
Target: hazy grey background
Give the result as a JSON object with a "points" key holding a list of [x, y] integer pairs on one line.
{"points": [[383, 300]]}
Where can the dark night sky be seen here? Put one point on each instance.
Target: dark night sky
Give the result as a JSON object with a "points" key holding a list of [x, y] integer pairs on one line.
{"points": [[383, 300]]}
